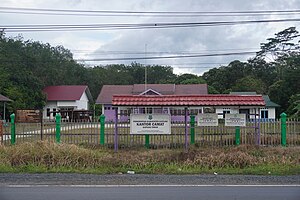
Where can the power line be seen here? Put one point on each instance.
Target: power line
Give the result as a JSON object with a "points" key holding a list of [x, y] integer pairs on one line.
{"points": [[169, 57], [149, 12], [96, 52], [148, 15], [76, 27]]}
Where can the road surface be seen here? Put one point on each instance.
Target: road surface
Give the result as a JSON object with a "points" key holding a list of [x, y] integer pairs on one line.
{"points": [[141, 186], [149, 192]]}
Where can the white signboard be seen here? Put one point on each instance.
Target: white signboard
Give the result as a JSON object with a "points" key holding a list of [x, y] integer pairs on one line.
{"points": [[208, 119], [150, 124], [235, 119]]}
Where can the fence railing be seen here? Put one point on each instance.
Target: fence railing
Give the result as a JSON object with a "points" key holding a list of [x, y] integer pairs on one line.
{"points": [[272, 133]]}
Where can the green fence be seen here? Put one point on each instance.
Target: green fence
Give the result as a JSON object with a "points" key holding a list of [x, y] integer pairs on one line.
{"points": [[284, 132]]}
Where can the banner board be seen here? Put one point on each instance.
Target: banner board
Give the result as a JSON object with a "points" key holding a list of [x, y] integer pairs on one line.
{"points": [[235, 119], [208, 119], [150, 124]]}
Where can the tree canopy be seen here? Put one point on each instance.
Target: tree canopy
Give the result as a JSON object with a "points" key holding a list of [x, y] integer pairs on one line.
{"points": [[26, 67]]}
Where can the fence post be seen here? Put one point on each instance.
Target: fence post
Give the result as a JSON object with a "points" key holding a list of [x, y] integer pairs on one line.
{"points": [[102, 125], [12, 129], [237, 135], [58, 121], [147, 141], [283, 129], [192, 123], [1, 132]]}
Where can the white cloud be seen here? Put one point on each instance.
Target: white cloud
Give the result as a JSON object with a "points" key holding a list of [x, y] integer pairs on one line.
{"points": [[197, 39]]}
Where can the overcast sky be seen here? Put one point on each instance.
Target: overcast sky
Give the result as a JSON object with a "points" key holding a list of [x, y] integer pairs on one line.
{"points": [[102, 44]]}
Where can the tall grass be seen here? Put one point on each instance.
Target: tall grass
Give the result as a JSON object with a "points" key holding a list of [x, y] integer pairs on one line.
{"points": [[51, 157]]}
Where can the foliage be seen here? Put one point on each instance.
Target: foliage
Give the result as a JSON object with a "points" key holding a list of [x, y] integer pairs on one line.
{"points": [[277, 77], [294, 106], [249, 84], [26, 67], [51, 157]]}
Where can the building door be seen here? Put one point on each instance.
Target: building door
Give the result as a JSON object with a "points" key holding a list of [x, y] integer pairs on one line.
{"points": [[245, 111]]}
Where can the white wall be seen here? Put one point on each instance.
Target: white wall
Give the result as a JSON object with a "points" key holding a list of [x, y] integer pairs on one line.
{"points": [[65, 104], [51, 105], [271, 111], [83, 103]]}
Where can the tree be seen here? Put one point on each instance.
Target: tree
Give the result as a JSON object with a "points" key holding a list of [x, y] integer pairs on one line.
{"points": [[294, 106], [281, 44], [225, 77], [249, 84]]}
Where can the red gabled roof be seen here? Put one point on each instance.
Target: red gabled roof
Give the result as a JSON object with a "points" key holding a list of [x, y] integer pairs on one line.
{"points": [[188, 100], [65, 92]]}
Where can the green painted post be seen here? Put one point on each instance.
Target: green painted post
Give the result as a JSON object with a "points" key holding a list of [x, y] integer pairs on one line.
{"points": [[58, 121], [147, 141], [237, 135], [12, 129], [102, 125], [192, 130], [283, 129]]}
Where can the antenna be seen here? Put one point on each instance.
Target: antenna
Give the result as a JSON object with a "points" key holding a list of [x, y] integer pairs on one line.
{"points": [[145, 67]]}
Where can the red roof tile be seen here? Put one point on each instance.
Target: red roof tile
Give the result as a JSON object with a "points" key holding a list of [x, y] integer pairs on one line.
{"points": [[65, 92], [188, 100]]}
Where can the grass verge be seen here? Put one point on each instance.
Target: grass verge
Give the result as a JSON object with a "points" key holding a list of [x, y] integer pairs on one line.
{"points": [[42, 157]]}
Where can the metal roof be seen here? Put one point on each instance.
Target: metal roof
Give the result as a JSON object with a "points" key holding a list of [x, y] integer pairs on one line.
{"points": [[66, 92], [269, 103], [4, 98], [188, 100], [108, 91]]}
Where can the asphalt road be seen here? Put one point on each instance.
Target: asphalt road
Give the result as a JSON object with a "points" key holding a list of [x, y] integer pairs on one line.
{"points": [[143, 179], [150, 192], [141, 186]]}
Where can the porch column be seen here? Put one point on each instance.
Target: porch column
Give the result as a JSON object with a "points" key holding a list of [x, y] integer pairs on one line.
{"points": [[116, 130]]}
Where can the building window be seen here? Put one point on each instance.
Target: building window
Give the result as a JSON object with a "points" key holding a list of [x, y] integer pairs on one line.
{"points": [[149, 111], [48, 112], [193, 111], [264, 114], [209, 110], [225, 112]]}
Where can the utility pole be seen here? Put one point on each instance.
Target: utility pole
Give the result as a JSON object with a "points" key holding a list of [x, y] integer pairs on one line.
{"points": [[145, 67]]}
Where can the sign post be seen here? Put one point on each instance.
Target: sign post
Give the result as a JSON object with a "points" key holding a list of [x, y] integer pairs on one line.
{"points": [[283, 129], [58, 127], [102, 125], [12, 129], [237, 135], [192, 130]]}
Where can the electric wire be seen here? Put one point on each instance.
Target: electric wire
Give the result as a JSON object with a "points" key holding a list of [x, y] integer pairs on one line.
{"points": [[170, 57], [76, 27], [149, 12]]}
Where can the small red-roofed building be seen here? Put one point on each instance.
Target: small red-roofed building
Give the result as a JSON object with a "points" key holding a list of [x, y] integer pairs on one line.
{"points": [[67, 100]]}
